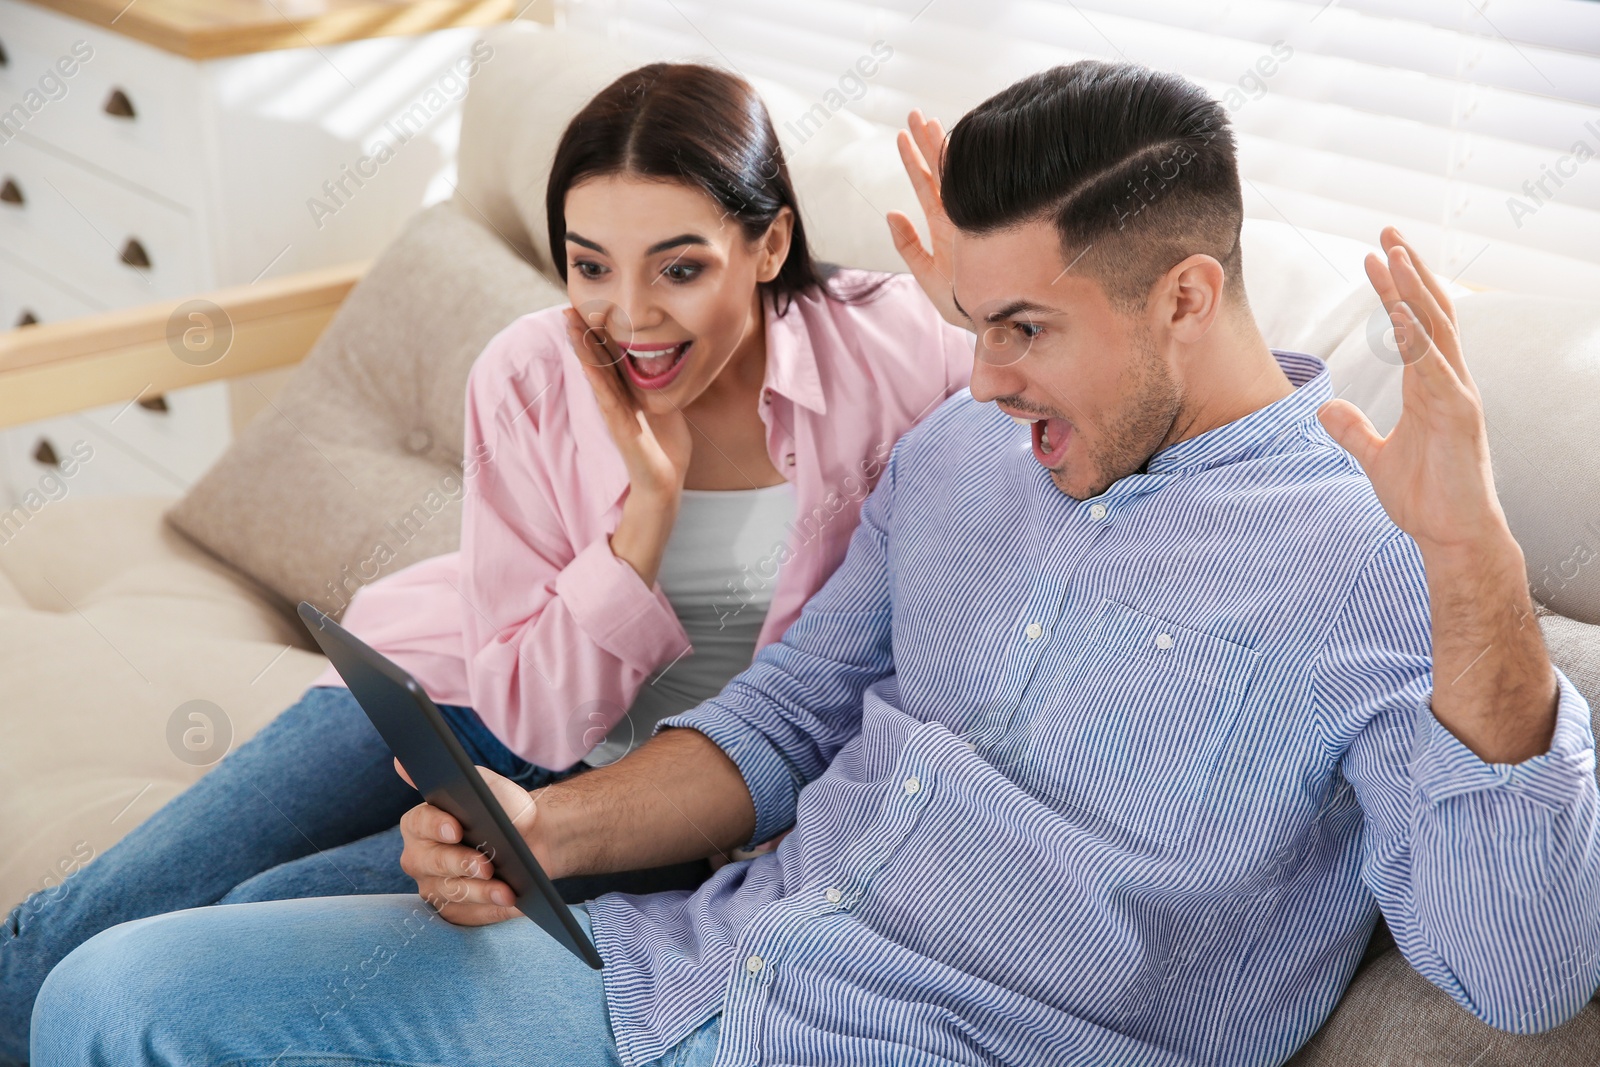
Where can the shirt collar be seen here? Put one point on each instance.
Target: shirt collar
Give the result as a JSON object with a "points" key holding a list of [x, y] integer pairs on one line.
{"points": [[1258, 432], [791, 361]]}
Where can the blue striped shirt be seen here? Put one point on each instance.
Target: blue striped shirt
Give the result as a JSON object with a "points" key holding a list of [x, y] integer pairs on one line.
{"points": [[1123, 780]]}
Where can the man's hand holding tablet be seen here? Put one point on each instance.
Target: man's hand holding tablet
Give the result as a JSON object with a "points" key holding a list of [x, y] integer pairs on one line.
{"points": [[676, 797], [457, 879]]}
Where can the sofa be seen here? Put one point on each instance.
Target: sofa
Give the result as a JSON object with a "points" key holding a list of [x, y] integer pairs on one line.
{"points": [[143, 638]]}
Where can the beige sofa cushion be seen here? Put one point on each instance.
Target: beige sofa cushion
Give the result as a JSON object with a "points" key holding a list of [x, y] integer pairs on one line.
{"points": [[116, 622], [1393, 1017], [1575, 648], [355, 470]]}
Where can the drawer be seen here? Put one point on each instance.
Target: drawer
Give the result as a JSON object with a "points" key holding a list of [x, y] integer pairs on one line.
{"points": [[120, 449], [179, 442], [127, 108], [83, 467], [72, 224], [26, 293]]}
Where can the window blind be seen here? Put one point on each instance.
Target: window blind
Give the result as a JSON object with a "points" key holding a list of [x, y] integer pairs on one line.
{"points": [[1473, 125]]}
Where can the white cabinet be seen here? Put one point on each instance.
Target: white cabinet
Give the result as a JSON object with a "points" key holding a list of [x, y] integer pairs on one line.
{"points": [[129, 174], [72, 224], [117, 449], [28, 295]]}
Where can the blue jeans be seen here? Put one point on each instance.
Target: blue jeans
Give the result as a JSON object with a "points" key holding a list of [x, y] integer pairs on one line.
{"points": [[331, 982], [308, 807]]}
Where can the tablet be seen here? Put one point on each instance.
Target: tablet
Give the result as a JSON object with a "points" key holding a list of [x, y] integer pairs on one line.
{"points": [[445, 776]]}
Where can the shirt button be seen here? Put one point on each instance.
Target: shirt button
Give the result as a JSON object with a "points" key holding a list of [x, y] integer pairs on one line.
{"points": [[1033, 631], [766, 396], [911, 785], [1163, 640], [754, 964], [833, 895], [1097, 512], [788, 461]]}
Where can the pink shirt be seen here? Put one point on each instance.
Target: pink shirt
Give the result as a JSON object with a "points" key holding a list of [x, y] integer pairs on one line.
{"points": [[534, 623]]}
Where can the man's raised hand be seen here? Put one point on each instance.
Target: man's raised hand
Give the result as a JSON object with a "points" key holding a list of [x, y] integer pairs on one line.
{"points": [[922, 151], [1432, 471]]}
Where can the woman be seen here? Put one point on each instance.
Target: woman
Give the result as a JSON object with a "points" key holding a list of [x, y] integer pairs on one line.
{"points": [[658, 479]]}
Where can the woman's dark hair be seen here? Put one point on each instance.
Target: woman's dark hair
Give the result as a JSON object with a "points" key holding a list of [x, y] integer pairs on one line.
{"points": [[1136, 164], [693, 124]]}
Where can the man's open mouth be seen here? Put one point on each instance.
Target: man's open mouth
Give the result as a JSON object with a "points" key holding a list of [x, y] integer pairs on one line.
{"points": [[1050, 438], [654, 366]]}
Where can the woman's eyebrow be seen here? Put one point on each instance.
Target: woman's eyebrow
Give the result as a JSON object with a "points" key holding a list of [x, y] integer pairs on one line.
{"points": [[674, 242], [659, 246]]}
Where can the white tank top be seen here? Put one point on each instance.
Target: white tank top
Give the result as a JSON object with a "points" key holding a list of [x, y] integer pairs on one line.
{"points": [[718, 571]]}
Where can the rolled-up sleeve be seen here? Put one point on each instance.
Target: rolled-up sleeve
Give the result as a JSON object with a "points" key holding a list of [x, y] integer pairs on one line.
{"points": [[1488, 874], [784, 718], [618, 612]]}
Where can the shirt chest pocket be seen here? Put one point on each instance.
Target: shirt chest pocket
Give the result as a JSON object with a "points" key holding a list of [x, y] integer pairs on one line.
{"points": [[1133, 734]]}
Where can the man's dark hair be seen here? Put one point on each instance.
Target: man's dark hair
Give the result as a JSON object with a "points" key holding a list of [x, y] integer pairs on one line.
{"points": [[1135, 167]]}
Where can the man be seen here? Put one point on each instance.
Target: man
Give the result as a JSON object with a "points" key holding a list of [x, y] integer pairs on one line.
{"points": [[1106, 744]]}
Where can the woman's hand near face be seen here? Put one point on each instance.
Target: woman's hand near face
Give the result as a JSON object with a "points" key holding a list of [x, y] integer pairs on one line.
{"points": [[654, 448], [922, 152]]}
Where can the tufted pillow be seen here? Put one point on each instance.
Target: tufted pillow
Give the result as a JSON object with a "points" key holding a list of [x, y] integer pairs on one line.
{"points": [[355, 470]]}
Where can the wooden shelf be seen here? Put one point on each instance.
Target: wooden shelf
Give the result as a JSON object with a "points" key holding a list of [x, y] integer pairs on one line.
{"points": [[118, 356], [205, 29]]}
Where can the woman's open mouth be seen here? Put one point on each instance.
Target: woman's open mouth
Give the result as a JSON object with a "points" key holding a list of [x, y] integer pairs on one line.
{"points": [[654, 366], [1050, 438]]}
